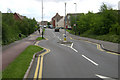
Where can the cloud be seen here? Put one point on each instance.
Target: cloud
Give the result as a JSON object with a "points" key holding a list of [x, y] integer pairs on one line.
{"points": [[33, 8]]}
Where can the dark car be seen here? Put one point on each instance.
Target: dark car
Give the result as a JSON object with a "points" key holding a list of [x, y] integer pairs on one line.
{"points": [[61, 27], [57, 29]]}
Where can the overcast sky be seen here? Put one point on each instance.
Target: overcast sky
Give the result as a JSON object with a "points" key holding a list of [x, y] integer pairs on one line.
{"points": [[33, 8]]}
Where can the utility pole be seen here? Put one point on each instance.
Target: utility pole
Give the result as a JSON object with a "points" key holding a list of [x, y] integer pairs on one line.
{"points": [[42, 20], [75, 16], [65, 23]]}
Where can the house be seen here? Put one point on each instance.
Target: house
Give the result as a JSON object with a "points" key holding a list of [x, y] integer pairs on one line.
{"points": [[60, 23], [56, 19], [68, 19], [18, 16]]}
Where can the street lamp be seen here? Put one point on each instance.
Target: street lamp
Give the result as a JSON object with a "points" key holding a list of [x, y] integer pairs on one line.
{"points": [[65, 23], [42, 20], [75, 16]]}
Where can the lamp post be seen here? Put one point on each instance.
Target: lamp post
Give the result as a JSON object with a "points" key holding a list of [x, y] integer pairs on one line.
{"points": [[42, 19], [75, 16], [65, 23]]}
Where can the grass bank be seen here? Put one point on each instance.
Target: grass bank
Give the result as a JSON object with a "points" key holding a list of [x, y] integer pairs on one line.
{"points": [[39, 38], [108, 37], [20, 65]]}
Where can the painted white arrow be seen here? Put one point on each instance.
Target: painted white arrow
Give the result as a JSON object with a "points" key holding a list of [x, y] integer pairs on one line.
{"points": [[104, 77]]}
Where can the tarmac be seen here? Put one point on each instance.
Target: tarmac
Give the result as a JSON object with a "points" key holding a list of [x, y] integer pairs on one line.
{"points": [[11, 51]]}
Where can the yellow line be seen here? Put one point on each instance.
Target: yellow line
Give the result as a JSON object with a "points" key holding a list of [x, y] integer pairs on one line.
{"points": [[71, 38], [41, 67], [46, 38], [99, 47], [112, 53], [41, 63], [36, 71]]}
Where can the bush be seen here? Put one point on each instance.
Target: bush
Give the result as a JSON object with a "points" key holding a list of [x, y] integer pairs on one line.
{"points": [[11, 28]]}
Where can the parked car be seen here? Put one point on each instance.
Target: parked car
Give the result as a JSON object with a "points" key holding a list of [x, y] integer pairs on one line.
{"points": [[45, 26], [50, 26], [61, 27], [57, 29]]}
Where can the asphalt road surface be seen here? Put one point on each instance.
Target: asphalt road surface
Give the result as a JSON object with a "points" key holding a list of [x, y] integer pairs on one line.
{"points": [[79, 59]]}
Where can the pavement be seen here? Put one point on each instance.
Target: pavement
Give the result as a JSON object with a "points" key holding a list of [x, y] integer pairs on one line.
{"points": [[11, 51], [80, 59]]}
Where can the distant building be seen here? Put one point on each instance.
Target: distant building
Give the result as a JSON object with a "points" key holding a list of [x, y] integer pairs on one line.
{"points": [[55, 20], [43, 22]]}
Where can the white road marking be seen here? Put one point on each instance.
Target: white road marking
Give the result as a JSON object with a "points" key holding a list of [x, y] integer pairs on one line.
{"points": [[90, 60], [104, 77], [70, 47], [54, 34], [74, 49], [59, 38]]}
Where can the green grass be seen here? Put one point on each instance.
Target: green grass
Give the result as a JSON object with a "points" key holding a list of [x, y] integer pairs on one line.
{"points": [[20, 65], [108, 37], [43, 30], [39, 38]]}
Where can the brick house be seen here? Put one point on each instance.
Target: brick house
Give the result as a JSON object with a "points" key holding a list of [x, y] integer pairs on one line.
{"points": [[55, 20], [18, 16]]}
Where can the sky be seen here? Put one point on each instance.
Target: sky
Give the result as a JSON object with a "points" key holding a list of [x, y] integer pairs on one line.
{"points": [[33, 8]]}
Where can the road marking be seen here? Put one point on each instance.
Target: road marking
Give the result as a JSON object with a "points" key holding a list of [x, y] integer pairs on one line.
{"points": [[54, 34], [41, 67], [40, 62], [99, 47], [90, 60], [71, 38], [70, 47], [74, 50], [59, 38], [46, 38], [104, 77], [37, 67]]}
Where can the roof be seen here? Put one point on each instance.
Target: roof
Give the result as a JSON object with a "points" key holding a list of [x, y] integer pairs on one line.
{"points": [[21, 17], [56, 15]]}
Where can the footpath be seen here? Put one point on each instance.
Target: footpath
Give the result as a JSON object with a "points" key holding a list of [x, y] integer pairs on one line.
{"points": [[108, 46], [10, 52]]}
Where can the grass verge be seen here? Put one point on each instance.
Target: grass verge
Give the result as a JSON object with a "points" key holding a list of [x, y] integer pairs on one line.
{"points": [[39, 38], [20, 65], [108, 37]]}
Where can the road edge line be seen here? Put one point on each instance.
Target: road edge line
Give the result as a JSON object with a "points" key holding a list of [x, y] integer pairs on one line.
{"points": [[101, 48]]}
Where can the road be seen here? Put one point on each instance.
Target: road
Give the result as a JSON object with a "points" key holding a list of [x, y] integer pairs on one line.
{"points": [[80, 59]]}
